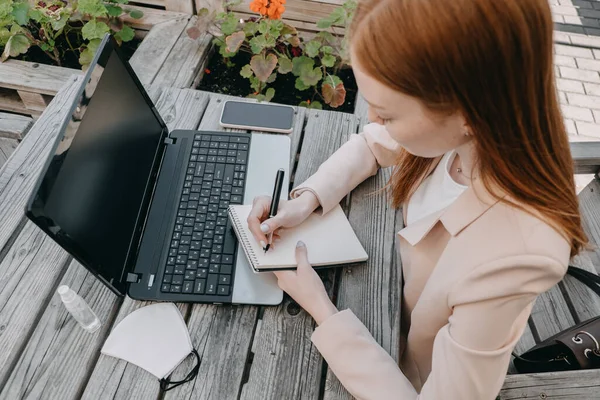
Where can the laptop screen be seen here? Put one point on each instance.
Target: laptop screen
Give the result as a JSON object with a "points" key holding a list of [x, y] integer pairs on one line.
{"points": [[91, 198]]}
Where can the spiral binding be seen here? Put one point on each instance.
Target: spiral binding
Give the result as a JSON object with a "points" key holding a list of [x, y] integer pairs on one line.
{"points": [[241, 233]]}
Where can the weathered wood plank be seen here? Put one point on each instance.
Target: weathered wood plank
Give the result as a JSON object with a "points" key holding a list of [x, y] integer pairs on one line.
{"points": [[112, 378], [14, 126], [33, 101], [154, 50], [296, 10], [285, 363], [588, 204], [151, 18], [59, 349], [361, 109], [29, 274], [34, 77], [20, 173], [184, 6], [372, 290], [7, 146], [586, 156], [572, 385], [551, 314], [10, 101], [185, 60]]}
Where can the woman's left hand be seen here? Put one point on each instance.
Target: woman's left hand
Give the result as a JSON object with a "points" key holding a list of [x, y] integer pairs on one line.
{"points": [[306, 287]]}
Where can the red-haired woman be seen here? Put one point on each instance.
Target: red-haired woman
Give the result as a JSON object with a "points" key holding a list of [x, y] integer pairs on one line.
{"points": [[463, 105]]}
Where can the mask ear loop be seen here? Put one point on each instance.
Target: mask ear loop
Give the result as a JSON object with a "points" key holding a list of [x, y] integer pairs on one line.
{"points": [[165, 382]]}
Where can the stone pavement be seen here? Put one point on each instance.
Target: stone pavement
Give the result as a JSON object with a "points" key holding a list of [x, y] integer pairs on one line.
{"points": [[577, 65]]}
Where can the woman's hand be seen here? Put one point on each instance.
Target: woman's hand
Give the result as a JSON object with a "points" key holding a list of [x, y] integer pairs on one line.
{"points": [[306, 287], [289, 214]]}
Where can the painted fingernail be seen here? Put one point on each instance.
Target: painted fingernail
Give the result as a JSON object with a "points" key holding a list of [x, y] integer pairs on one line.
{"points": [[264, 228], [300, 244], [263, 244]]}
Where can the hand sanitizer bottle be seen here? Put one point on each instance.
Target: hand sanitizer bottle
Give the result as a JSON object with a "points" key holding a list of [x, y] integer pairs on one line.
{"points": [[79, 309]]}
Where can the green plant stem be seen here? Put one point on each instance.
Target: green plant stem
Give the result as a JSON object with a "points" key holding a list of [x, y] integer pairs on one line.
{"points": [[38, 44]]}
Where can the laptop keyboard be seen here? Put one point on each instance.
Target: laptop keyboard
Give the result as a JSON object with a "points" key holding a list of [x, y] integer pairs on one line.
{"points": [[201, 256]]}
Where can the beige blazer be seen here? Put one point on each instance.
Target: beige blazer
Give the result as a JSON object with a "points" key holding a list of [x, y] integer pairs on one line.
{"points": [[471, 273]]}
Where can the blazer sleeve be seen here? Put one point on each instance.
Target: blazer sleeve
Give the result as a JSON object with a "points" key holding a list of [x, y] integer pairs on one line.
{"points": [[470, 354], [359, 158]]}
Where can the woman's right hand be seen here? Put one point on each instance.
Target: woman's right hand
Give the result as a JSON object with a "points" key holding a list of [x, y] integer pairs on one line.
{"points": [[290, 213]]}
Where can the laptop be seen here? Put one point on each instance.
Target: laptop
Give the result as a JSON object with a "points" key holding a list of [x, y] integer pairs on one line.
{"points": [[144, 208]]}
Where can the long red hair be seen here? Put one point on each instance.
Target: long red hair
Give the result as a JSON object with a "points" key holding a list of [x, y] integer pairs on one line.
{"points": [[491, 61]]}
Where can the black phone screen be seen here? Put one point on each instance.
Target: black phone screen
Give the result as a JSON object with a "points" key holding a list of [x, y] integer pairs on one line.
{"points": [[258, 115]]}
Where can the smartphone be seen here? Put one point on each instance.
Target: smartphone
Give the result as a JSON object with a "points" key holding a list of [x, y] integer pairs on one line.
{"points": [[257, 116]]}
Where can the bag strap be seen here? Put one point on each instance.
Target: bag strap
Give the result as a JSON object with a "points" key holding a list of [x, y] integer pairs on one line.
{"points": [[589, 279]]}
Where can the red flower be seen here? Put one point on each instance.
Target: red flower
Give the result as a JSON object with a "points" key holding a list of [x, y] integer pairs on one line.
{"points": [[206, 71], [296, 52]]}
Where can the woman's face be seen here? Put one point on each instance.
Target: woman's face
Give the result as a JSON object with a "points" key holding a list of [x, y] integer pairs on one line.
{"points": [[408, 121]]}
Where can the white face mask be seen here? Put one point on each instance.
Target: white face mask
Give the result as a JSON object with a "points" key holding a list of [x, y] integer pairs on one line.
{"points": [[154, 338]]}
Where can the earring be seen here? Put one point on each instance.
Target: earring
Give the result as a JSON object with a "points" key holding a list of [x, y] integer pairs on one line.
{"points": [[467, 133]]}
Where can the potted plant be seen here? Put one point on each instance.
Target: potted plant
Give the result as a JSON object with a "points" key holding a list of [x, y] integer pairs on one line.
{"points": [[269, 60]]}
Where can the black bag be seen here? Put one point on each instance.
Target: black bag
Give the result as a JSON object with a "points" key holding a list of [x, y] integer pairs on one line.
{"points": [[572, 349]]}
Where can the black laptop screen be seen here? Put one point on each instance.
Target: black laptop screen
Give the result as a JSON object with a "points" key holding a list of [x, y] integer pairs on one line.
{"points": [[93, 192]]}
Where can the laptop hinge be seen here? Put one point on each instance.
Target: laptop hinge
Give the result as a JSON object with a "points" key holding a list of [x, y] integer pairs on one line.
{"points": [[168, 140], [133, 278]]}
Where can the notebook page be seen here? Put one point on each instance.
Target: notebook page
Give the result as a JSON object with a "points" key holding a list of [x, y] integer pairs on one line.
{"points": [[330, 240]]}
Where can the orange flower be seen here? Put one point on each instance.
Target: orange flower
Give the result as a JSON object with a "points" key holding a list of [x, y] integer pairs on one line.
{"points": [[271, 9], [206, 71]]}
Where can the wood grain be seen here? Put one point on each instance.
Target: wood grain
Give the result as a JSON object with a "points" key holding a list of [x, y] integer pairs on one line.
{"points": [[184, 6], [14, 126], [151, 18], [30, 273], [32, 101], [34, 77], [20, 173], [296, 10], [572, 385], [185, 60], [372, 290], [7, 146], [155, 48], [586, 156], [10, 101], [112, 378], [285, 363], [59, 349]]}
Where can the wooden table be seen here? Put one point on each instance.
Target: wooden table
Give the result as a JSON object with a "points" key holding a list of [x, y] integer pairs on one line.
{"points": [[247, 352]]}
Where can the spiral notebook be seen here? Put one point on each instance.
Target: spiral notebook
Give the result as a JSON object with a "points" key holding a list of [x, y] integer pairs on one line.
{"points": [[329, 238]]}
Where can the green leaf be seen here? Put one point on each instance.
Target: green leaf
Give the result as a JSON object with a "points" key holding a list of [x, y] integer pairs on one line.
{"points": [[312, 48], [327, 49], [19, 13], [316, 105], [328, 60], [263, 26], [223, 51], [326, 36], [250, 28], [203, 12], [285, 65], [246, 71], [87, 55], [94, 8], [234, 41], [114, 11], [337, 17], [230, 24], [4, 36], [302, 63], [300, 85], [125, 34], [94, 30], [45, 46], [17, 44], [59, 24], [263, 66], [332, 80], [6, 10], [311, 78], [260, 42], [269, 94], [136, 14], [36, 15], [255, 83], [272, 77], [288, 30]]}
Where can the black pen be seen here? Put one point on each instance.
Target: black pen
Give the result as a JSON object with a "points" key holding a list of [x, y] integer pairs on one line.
{"points": [[275, 201]]}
